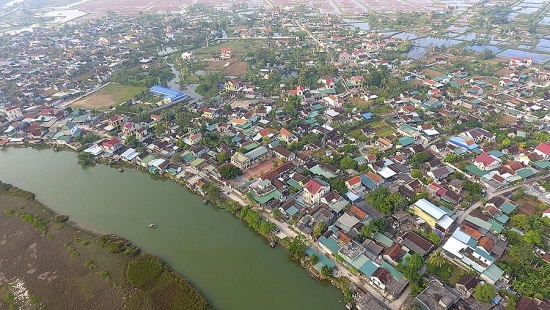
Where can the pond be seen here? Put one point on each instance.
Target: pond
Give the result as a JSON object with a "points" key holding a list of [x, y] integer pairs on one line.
{"points": [[416, 52], [538, 58], [467, 36], [478, 48], [434, 41], [543, 46], [405, 36]]}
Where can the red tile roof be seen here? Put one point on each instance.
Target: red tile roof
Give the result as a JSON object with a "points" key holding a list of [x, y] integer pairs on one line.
{"points": [[544, 148], [485, 159], [354, 180], [393, 251], [313, 186], [360, 213], [486, 243], [382, 274]]}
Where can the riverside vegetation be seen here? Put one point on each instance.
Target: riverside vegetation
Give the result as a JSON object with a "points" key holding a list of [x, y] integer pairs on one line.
{"points": [[91, 272]]}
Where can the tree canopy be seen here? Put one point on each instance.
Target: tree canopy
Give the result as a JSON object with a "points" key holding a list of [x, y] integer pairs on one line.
{"points": [[485, 292], [229, 171]]}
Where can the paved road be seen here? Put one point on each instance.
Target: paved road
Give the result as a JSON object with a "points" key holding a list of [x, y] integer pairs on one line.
{"points": [[493, 194]]}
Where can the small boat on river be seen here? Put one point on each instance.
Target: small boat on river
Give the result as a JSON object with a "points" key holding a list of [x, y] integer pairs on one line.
{"points": [[120, 169], [205, 201], [152, 225]]}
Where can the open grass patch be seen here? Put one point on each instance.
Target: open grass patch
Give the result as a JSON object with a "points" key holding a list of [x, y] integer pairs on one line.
{"points": [[9, 213], [109, 95], [161, 288], [143, 270], [113, 243], [35, 222]]}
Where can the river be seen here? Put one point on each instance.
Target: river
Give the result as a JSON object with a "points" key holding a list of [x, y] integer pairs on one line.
{"points": [[233, 266]]}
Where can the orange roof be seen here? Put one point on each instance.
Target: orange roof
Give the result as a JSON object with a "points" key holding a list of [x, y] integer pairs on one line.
{"points": [[374, 177], [354, 180], [238, 121], [285, 132], [471, 231], [360, 213], [486, 244], [343, 237]]}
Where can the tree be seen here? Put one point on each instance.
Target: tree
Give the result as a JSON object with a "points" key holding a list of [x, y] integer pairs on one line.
{"points": [[416, 173], [485, 292], [326, 271], [297, 248], [338, 185], [434, 238], [266, 227], [532, 237], [521, 221], [347, 163], [132, 141], [230, 171], [221, 157], [412, 271], [314, 259], [452, 158], [348, 295], [419, 158], [437, 259], [319, 229]]}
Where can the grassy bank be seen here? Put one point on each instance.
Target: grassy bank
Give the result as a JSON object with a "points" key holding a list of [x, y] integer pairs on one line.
{"points": [[55, 264]]}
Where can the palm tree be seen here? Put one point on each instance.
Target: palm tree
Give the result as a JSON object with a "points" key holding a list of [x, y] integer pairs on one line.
{"points": [[437, 258]]}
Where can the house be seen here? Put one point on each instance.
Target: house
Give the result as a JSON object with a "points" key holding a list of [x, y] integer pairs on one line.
{"points": [[353, 183], [380, 278], [432, 215], [344, 58], [437, 296], [231, 85], [238, 159], [314, 190], [226, 53], [394, 254], [466, 285], [485, 162], [287, 136], [112, 145], [417, 243], [357, 80], [283, 153], [116, 121], [543, 150], [439, 174], [546, 213], [13, 113]]}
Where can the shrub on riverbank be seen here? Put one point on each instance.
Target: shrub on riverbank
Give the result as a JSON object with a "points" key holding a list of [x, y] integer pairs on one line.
{"points": [[114, 244], [11, 190], [161, 288], [35, 222]]}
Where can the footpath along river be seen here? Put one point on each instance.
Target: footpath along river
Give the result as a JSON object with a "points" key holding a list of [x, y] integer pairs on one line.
{"points": [[229, 263]]}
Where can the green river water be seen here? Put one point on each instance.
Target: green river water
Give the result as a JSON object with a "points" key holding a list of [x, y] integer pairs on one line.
{"points": [[229, 263]]}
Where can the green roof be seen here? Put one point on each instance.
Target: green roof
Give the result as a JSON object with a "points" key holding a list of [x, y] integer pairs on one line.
{"points": [[188, 157], [396, 274], [478, 222], [212, 127], [292, 210], [459, 151], [368, 268], [475, 170], [338, 206], [323, 260], [265, 198], [496, 153], [319, 171], [507, 207], [498, 228], [484, 254], [477, 151], [294, 184], [251, 146], [406, 141], [383, 239], [330, 244], [197, 162], [493, 272], [360, 159], [148, 159], [503, 218], [525, 173], [543, 164]]}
